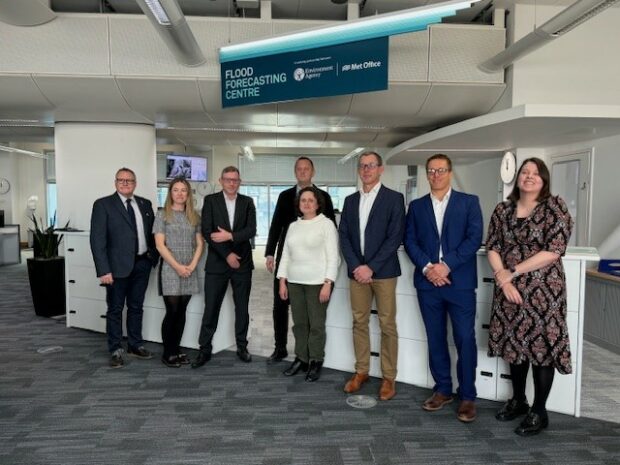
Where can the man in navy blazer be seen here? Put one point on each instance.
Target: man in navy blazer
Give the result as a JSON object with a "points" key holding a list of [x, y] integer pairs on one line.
{"points": [[442, 234], [123, 249], [371, 231], [228, 225]]}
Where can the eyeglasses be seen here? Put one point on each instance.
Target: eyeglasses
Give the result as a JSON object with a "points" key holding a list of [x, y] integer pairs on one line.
{"points": [[367, 166], [231, 180], [437, 172], [125, 181]]}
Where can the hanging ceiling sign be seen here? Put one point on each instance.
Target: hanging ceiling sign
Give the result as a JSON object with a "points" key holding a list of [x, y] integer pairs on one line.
{"points": [[321, 72]]}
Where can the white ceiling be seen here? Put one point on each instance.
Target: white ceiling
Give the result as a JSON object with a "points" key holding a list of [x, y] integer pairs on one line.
{"points": [[188, 111], [524, 126]]}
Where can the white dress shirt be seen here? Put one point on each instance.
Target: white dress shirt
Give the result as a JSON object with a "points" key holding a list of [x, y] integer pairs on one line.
{"points": [[230, 208], [139, 223], [367, 200]]}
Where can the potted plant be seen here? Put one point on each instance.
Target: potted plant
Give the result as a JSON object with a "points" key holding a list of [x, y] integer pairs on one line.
{"points": [[46, 270]]}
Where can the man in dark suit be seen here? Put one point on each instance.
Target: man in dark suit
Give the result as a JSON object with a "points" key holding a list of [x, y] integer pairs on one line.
{"points": [[123, 249], [283, 215], [371, 231], [228, 225], [442, 234]]}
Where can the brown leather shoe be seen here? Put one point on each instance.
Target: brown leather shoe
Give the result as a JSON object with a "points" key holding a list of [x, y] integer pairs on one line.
{"points": [[355, 383], [436, 402], [388, 390], [467, 411]]}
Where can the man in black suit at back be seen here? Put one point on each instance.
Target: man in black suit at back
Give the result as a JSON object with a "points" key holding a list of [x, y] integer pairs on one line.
{"points": [[228, 225], [283, 216], [123, 249]]}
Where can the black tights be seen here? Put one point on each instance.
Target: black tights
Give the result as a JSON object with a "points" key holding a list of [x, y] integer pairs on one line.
{"points": [[543, 380], [174, 323]]}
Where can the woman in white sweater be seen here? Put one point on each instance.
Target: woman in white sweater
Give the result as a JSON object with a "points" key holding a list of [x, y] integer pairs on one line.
{"points": [[307, 272]]}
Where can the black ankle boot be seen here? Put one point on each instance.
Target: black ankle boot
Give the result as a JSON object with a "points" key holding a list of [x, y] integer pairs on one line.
{"points": [[512, 409], [297, 366], [532, 424], [314, 372]]}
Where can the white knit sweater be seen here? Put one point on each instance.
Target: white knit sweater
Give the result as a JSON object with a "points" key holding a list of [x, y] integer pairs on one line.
{"points": [[310, 254]]}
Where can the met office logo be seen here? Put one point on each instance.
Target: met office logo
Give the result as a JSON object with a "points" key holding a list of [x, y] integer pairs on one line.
{"points": [[299, 74]]}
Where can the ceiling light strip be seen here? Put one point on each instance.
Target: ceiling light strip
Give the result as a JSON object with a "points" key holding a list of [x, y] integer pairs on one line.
{"points": [[412, 20]]}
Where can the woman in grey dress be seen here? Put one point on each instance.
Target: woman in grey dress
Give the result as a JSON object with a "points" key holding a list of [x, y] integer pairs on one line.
{"points": [[179, 242]]}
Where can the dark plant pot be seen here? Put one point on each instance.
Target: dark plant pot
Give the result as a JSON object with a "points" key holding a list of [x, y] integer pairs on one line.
{"points": [[47, 285], [36, 250]]}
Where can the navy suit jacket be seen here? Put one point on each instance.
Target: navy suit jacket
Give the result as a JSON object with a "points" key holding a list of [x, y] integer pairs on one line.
{"points": [[461, 237], [214, 215], [382, 237], [112, 238]]}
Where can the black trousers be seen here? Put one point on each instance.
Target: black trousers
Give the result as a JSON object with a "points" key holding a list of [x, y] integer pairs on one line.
{"points": [[215, 290], [280, 317]]}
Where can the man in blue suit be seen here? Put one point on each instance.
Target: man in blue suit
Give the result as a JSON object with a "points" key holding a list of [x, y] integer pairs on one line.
{"points": [[371, 229], [123, 248], [442, 234]]}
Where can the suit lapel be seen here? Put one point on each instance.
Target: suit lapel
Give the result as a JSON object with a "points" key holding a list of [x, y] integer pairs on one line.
{"points": [[376, 204], [224, 211], [428, 206], [452, 205], [122, 209], [238, 212], [355, 219]]}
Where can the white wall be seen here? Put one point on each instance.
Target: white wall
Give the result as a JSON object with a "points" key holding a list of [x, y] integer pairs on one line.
{"points": [[605, 193], [8, 170], [481, 179], [87, 158], [27, 177], [580, 67]]}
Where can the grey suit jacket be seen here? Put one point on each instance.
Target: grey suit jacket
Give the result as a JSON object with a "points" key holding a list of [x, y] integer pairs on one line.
{"points": [[214, 215], [112, 239]]}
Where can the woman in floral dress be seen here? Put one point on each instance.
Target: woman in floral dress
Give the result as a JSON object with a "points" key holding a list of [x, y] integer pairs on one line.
{"points": [[527, 237]]}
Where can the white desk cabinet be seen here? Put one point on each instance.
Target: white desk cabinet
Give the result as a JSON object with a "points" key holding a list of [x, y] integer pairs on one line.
{"points": [[493, 376], [86, 300]]}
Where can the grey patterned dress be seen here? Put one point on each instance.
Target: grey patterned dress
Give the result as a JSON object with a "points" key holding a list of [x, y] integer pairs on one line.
{"points": [[181, 240]]}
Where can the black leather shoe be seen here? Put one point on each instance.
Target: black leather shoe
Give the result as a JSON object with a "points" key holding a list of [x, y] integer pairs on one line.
{"points": [[278, 355], [244, 355], [314, 371], [116, 359], [171, 362], [532, 424], [296, 367], [512, 409], [140, 352], [201, 359]]}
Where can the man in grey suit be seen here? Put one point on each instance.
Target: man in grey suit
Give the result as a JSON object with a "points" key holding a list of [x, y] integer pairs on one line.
{"points": [[228, 225], [123, 249]]}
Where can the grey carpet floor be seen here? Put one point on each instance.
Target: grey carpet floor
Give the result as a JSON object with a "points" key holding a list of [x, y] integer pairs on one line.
{"points": [[68, 408]]}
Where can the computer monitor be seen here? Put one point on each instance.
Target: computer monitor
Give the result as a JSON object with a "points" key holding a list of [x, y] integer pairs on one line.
{"points": [[186, 166]]}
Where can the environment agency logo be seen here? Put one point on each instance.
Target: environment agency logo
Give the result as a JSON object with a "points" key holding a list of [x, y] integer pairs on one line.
{"points": [[299, 74]]}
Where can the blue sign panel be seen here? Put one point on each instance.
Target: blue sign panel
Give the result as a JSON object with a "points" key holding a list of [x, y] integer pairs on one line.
{"points": [[336, 70]]}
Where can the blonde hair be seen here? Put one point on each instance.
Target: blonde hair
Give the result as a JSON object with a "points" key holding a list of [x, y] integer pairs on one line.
{"points": [[192, 217]]}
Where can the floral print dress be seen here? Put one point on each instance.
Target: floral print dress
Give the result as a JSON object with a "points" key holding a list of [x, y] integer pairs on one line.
{"points": [[535, 331]]}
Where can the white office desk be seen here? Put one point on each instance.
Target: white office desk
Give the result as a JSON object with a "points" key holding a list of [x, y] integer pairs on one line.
{"points": [[9, 245], [493, 374], [86, 304]]}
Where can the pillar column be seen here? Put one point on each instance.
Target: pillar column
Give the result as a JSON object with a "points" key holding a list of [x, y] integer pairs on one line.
{"points": [[87, 158]]}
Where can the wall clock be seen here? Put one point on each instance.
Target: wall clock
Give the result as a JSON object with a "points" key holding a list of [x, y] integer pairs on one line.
{"points": [[508, 168], [203, 188], [5, 185]]}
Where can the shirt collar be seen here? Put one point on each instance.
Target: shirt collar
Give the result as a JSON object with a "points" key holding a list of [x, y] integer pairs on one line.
{"points": [[374, 190], [124, 199], [445, 197]]}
